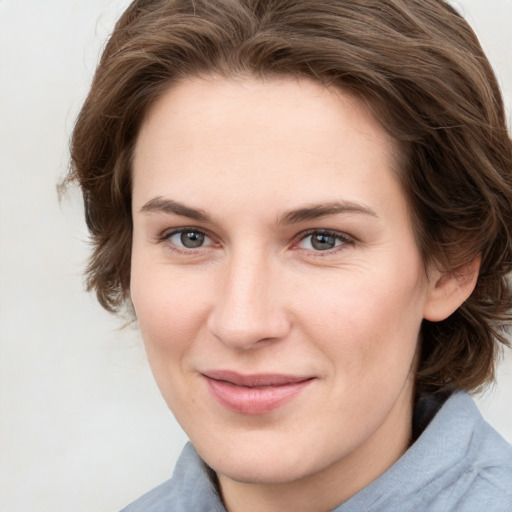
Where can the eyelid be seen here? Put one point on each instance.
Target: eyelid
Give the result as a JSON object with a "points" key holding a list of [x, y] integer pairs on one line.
{"points": [[165, 236], [173, 231], [345, 238]]}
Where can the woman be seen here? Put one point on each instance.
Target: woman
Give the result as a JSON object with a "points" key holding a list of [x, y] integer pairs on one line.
{"points": [[307, 207]]}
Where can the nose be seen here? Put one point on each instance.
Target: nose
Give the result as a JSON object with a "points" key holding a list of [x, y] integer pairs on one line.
{"points": [[250, 308]]}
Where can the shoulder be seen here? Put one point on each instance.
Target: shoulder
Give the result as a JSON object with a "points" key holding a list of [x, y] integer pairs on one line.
{"points": [[190, 488], [486, 483], [459, 463], [470, 464]]}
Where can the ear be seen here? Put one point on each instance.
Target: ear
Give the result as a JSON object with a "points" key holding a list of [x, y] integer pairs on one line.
{"points": [[448, 290]]}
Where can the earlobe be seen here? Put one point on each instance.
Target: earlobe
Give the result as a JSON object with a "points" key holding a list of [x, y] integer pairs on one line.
{"points": [[448, 290]]}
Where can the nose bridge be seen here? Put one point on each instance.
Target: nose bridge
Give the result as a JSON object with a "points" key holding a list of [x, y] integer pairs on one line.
{"points": [[248, 307]]}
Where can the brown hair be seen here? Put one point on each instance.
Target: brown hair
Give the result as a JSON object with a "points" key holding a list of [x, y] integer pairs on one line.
{"points": [[417, 64]]}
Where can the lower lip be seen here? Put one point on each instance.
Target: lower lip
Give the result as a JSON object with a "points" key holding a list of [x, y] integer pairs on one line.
{"points": [[254, 400]]}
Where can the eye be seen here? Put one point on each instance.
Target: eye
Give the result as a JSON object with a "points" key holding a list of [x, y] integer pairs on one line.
{"points": [[188, 238], [324, 240]]}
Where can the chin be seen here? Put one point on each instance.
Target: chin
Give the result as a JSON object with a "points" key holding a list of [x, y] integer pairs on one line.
{"points": [[274, 472], [265, 465]]}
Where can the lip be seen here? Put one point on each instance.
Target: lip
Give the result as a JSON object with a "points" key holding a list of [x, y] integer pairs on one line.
{"points": [[254, 394]]}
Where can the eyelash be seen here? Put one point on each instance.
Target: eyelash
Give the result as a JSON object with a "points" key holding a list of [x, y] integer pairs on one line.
{"points": [[344, 238], [166, 236]]}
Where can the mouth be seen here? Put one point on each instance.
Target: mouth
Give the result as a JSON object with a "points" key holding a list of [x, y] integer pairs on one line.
{"points": [[256, 393]]}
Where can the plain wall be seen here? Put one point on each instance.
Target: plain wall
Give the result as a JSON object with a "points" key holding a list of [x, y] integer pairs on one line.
{"points": [[82, 424]]}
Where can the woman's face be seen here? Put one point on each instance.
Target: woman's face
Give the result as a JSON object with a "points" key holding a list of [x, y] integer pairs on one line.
{"points": [[275, 278]]}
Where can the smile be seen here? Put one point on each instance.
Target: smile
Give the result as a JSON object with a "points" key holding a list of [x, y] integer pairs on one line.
{"points": [[254, 394]]}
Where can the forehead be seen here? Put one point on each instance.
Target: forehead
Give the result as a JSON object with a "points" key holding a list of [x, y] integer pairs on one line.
{"points": [[244, 134], [197, 103]]}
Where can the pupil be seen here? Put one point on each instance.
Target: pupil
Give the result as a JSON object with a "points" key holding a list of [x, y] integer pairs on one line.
{"points": [[192, 239], [323, 242]]}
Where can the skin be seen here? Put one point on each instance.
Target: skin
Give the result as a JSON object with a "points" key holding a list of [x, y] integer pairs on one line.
{"points": [[257, 296]]}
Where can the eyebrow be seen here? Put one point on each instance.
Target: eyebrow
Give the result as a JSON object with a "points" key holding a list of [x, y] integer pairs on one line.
{"points": [[162, 205], [311, 212], [317, 211]]}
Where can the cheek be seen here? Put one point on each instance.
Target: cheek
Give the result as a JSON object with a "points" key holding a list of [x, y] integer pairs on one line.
{"points": [[169, 316], [169, 310], [367, 322]]}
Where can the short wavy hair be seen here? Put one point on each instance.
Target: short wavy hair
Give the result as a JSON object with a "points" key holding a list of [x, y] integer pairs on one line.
{"points": [[419, 67]]}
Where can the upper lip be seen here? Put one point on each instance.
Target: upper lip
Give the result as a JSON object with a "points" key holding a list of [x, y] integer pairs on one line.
{"points": [[254, 380]]}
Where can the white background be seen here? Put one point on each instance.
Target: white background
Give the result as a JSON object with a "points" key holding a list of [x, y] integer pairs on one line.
{"points": [[82, 425]]}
